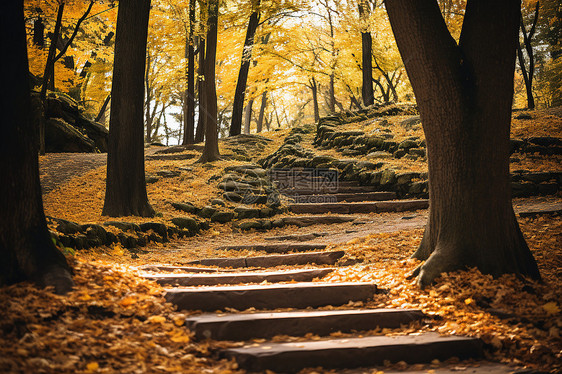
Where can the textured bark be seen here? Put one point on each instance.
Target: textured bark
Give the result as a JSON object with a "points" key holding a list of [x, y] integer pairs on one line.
{"points": [[248, 116], [367, 64], [200, 133], [26, 248], [189, 101], [464, 94], [240, 92], [314, 88], [125, 193], [262, 111], [211, 150]]}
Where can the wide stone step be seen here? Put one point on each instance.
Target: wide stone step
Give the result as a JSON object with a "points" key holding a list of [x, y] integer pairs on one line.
{"points": [[297, 237], [274, 248], [327, 190], [354, 208], [318, 258], [172, 268], [340, 197], [267, 325], [353, 352], [304, 221], [293, 295], [302, 275]]}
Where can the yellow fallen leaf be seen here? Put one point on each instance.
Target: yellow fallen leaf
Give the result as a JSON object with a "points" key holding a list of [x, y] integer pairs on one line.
{"points": [[92, 366], [180, 338], [551, 308], [469, 301], [85, 297], [179, 321], [126, 301], [156, 319]]}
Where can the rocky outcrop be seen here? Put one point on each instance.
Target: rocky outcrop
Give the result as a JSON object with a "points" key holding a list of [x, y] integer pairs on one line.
{"points": [[67, 129]]}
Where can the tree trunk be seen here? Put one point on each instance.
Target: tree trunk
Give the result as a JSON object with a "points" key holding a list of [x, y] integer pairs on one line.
{"points": [[101, 113], [367, 64], [189, 101], [248, 116], [148, 100], [200, 133], [332, 94], [26, 248], [464, 93], [211, 150], [39, 32], [314, 88], [49, 74], [125, 193], [262, 111], [527, 41], [240, 92]]}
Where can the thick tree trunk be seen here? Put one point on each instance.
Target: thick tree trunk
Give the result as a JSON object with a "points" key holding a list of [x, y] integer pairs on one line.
{"points": [[367, 63], [26, 248], [248, 116], [464, 93], [200, 133], [211, 150], [189, 101], [240, 92], [125, 193], [262, 111]]}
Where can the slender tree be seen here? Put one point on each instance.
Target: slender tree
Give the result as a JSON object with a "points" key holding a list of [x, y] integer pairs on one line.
{"points": [[367, 50], [125, 193], [240, 92], [262, 111], [26, 248], [248, 116], [527, 44], [464, 93], [211, 150], [189, 100]]}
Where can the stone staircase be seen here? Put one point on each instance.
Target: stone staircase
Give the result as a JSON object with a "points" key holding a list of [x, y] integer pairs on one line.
{"points": [[220, 292]]}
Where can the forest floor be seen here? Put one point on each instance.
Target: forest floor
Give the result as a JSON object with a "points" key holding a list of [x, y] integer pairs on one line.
{"points": [[117, 321]]}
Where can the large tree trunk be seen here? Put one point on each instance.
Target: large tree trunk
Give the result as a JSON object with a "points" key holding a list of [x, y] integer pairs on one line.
{"points": [[263, 104], [464, 93], [189, 101], [367, 63], [240, 92], [26, 248], [211, 150], [200, 133], [248, 116], [125, 193]]}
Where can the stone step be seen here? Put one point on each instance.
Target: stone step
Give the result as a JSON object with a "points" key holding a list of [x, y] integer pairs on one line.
{"points": [[342, 197], [354, 208], [297, 237], [268, 325], [293, 295], [327, 190], [304, 221], [318, 258], [301, 275], [274, 248], [171, 268], [352, 352]]}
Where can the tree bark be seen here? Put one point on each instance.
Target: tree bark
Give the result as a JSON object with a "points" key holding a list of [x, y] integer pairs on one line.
{"points": [[101, 113], [200, 133], [26, 248], [211, 150], [248, 116], [125, 193], [240, 92], [189, 101], [314, 88], [262, 111], [464, 94], [367, 64]]}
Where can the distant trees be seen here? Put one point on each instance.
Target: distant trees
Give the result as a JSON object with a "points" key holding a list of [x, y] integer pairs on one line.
{"points": [[126, 187], [464, 93], [528, 72], [26, 247]]}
